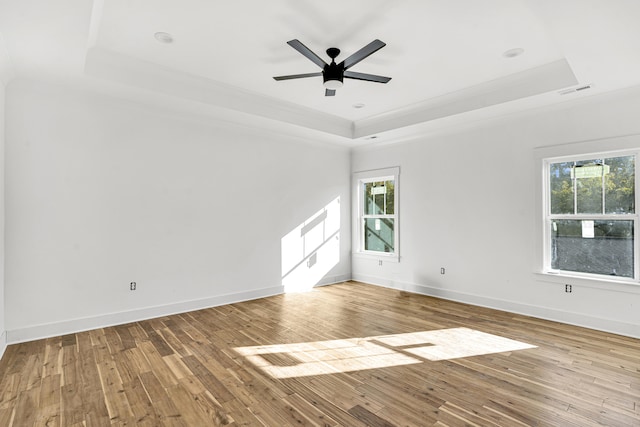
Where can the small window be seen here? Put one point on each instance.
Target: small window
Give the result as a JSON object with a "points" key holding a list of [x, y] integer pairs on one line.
{"points": [[590, 215], [377, 212]]}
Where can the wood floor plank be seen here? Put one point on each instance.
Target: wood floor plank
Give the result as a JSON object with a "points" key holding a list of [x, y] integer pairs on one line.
{"points": [[158, 365], [27, 408], [144, 413], [332, 409], [116, 401], [214, 410], [126, 338], [215, 387], [343, 355], [92, 396], [312, 413], [169, 413], [71, 404], [368, 417], [190, 410]]}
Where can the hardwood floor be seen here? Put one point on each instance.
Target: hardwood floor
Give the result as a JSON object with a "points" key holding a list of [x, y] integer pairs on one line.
{"points": [[342, 355]]}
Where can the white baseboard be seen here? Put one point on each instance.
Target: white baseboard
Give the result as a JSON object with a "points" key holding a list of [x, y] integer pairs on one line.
{"points": [[35, 332], [576, 319], [84, 324], [332, 280]]}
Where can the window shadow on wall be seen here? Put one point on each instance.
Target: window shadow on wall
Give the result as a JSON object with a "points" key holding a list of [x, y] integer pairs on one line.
{"points": [[312, 249]]}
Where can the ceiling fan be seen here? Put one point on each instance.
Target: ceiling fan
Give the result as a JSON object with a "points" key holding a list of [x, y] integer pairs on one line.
{"points": [[333, 74]]}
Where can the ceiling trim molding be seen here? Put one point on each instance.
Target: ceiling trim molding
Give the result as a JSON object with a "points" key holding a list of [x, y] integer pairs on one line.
{"points": [[546, 78], [117, 68], [114, 67], [131, 72]]}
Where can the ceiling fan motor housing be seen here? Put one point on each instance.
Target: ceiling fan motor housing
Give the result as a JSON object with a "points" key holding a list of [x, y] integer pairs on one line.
{"points": [[333, 75]]}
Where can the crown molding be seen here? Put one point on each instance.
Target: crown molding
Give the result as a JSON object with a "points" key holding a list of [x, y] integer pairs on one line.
{"points": [[107, 65], [535, 81]]}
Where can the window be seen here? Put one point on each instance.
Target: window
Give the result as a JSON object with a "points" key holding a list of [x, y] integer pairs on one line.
{"points": [[590, 215], [377, 216]]}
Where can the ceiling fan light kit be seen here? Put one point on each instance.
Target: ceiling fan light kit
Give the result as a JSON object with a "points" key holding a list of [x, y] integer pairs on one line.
{"points": [[333, 74], [333, 84]]}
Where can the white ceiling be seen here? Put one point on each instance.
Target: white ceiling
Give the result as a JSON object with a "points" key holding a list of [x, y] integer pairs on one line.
{"points": [[445, 57]]}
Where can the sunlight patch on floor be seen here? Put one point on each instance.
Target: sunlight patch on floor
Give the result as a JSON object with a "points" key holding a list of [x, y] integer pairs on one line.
{"points": [[334, 356]]}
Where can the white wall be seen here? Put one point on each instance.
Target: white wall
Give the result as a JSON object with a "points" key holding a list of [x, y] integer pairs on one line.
{"points": [[3, 335], [468, 203], [100, 193]]}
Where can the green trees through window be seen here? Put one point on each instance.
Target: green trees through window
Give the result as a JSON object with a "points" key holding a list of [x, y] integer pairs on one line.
{"points": [[591, 215], [597, 186]]}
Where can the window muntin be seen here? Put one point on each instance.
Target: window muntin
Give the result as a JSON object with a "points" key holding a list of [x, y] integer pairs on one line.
{"points": [[590, 216]]}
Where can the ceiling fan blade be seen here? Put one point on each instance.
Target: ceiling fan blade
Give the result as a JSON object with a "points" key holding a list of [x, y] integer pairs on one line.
{"points": [[367, 77], [329, 92], [297, 45], [298, 76], [363, 53]]}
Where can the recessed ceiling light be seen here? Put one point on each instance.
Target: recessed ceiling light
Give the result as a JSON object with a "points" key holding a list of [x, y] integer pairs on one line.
{"points": [[163, 37], [512, 53], [358, 105]]}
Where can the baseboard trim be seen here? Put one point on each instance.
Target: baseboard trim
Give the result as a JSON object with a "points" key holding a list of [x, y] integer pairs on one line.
{"points": [[576, 319], [332, 280], [36, 332]]}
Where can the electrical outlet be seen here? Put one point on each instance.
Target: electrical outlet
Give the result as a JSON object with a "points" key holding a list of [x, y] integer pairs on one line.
{"points": [[568, 288], [132, 286], [441, 270]]}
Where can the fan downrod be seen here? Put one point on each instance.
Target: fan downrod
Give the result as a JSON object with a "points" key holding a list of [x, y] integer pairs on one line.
{"points": [[333, 52]]}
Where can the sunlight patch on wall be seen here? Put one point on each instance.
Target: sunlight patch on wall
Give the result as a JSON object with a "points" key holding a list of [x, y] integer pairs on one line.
{"points": [[312, 249], [355, 354]]}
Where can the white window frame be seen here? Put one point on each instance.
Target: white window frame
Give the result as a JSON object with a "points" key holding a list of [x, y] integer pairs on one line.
{"points": [[359, 179], [547, 217]]}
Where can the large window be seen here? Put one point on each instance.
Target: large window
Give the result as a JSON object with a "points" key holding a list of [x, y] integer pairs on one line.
{"points": [[377, 215], [590, 215]]}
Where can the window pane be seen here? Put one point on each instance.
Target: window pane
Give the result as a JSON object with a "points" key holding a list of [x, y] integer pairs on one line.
{"points": [[598, 247], [379, 198], [589, 180], [620, 191], [561, 188], [379, 234]]}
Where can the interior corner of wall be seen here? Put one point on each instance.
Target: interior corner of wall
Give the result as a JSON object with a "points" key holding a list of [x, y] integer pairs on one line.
{"points": [[3, 343]]}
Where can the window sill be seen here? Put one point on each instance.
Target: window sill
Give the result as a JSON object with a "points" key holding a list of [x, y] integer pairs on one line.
{"points": [[377, 256], [616, 285]]}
